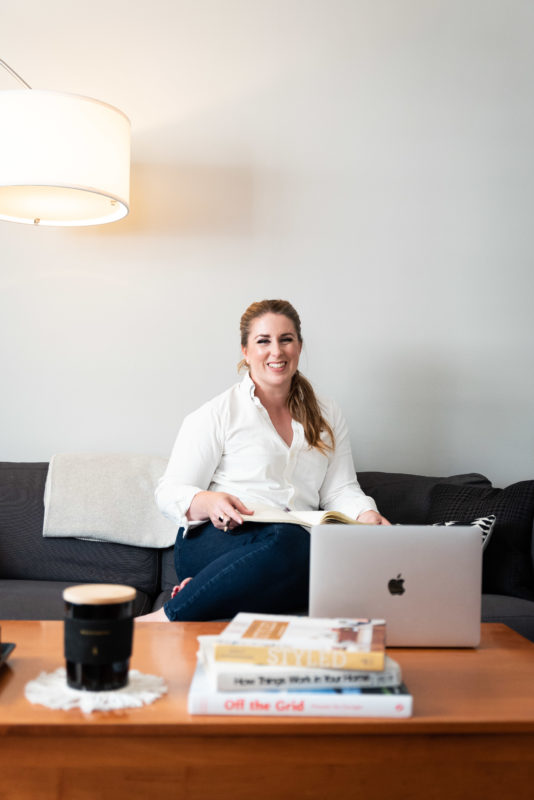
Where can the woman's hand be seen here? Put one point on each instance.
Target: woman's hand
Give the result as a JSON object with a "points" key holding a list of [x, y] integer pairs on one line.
{"points": [[223, 510], [372, 518]]}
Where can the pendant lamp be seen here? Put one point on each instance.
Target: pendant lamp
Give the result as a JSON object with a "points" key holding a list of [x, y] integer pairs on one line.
{"points": [[64, 158]]}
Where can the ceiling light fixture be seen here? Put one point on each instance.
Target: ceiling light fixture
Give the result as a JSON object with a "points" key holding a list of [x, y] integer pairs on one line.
{"points": [[64, 158]]}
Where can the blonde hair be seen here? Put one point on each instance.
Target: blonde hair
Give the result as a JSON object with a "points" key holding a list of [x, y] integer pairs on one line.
{"points": [[301, 402]]}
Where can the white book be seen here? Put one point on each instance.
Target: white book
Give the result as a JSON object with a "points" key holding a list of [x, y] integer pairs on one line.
{"points": [[394, 702], [227, 676]]}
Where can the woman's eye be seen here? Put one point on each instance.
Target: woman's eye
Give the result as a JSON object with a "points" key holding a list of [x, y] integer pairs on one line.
{"points": [[262, 341]]}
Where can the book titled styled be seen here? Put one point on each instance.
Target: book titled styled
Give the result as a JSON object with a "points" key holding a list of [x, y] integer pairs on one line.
{"points": [[379, 702], [231, 676], [293, 641]]}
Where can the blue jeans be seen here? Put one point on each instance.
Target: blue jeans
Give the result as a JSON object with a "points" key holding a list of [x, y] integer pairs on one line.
{"points": [[261, 567]]}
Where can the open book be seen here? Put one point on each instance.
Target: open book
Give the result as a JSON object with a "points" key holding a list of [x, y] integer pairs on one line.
{"points": [[306, 518]]}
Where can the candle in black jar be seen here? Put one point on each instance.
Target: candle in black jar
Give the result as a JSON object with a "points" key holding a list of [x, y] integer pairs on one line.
{"points": [[98, 635]]}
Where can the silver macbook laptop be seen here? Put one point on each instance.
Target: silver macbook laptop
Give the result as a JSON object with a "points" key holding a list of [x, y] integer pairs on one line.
{"points": [[425, 581]]}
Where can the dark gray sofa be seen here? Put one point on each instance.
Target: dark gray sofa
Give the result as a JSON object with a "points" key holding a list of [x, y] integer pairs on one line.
{"points": [[34, 570]]}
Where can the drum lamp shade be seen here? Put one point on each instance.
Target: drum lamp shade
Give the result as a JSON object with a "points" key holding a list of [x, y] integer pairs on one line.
{"points": [[64, 159]]}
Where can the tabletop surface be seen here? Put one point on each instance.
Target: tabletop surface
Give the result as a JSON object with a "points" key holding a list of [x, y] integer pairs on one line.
{"points": [[489, 689]]}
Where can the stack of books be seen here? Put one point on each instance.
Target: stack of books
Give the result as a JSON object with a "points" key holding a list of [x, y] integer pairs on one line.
{"points": [[277, 665]]}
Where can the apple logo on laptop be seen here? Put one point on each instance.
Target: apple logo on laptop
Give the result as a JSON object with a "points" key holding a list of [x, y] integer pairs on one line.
{"points": [[396, 585]]}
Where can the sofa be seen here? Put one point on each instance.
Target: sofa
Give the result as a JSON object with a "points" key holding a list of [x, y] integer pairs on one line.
{"points": [[34, 570]]}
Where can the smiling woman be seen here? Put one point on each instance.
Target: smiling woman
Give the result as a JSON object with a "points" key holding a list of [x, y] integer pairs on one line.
{"points": [[271, 342], [265, 441]]}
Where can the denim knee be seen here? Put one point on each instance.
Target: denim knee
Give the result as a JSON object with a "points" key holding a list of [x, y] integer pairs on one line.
{"points": [[293, 542]]}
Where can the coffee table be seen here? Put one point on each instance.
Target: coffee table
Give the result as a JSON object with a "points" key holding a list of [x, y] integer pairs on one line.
{"points": [[472, 733]]}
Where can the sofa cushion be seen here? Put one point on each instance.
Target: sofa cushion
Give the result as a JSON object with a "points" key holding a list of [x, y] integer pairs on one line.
{"points": [[507, 566], [162, 598], [512, 611], [486, 525], [169, 577], [25, 554], [404, 498], [44, 600]]}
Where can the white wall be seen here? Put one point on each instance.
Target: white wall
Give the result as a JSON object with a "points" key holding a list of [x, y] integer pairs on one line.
{"points": [[371, 161]]}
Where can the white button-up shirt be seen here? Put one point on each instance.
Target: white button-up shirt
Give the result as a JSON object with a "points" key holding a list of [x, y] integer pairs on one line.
{"points": [[230, 445]]}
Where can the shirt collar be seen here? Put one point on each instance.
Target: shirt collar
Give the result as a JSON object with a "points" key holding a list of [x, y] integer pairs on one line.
{"points": [[249, 388]]}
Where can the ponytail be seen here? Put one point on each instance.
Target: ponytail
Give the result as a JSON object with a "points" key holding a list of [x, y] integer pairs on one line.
{"points": [[304, 407]]}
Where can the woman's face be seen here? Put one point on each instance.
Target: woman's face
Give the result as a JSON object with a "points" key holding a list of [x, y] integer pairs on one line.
{"points": [[272, 351]]}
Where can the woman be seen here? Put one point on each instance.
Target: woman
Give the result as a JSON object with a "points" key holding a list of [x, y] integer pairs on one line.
{"points": [[265, 441]]}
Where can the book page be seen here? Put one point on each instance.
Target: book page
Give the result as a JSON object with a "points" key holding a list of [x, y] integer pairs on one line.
{"points": [[271, 514]]}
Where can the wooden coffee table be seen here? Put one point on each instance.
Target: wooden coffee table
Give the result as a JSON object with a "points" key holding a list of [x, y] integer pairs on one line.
{"points": [[471, 736]]}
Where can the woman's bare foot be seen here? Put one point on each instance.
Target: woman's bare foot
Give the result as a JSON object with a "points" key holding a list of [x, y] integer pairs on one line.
{"points": [[160, 615], [180, 586], [154, 616]]}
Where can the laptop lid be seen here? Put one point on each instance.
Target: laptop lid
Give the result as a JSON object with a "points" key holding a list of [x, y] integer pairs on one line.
{"points": [[424, 580]]}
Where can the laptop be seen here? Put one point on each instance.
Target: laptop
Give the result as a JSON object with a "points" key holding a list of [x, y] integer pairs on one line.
{"points": [[424, 580]]}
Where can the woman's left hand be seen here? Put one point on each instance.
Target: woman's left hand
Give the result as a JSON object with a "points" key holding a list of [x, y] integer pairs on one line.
{"points": [[372, 518]]}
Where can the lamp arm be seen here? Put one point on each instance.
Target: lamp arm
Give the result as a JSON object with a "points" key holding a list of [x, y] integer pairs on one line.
{"points": [[14, 74]]}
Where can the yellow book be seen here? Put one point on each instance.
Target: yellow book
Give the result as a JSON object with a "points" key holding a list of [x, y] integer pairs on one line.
{"points": [[292, 641], [305, 518]]}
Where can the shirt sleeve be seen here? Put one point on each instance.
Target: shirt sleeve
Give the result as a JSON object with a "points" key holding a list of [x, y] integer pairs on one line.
{"points": [[194, 459], [340, 490]]}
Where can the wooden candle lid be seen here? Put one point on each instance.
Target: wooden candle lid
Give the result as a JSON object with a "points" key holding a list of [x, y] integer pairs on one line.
{"points": [[98, 594]]}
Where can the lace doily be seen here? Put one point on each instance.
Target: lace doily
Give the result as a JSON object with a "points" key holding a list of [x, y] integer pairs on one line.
{"points": [[50, 689]]}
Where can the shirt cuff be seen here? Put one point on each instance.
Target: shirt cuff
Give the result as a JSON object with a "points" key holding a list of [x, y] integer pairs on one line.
{"points": [[175, 507]]}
